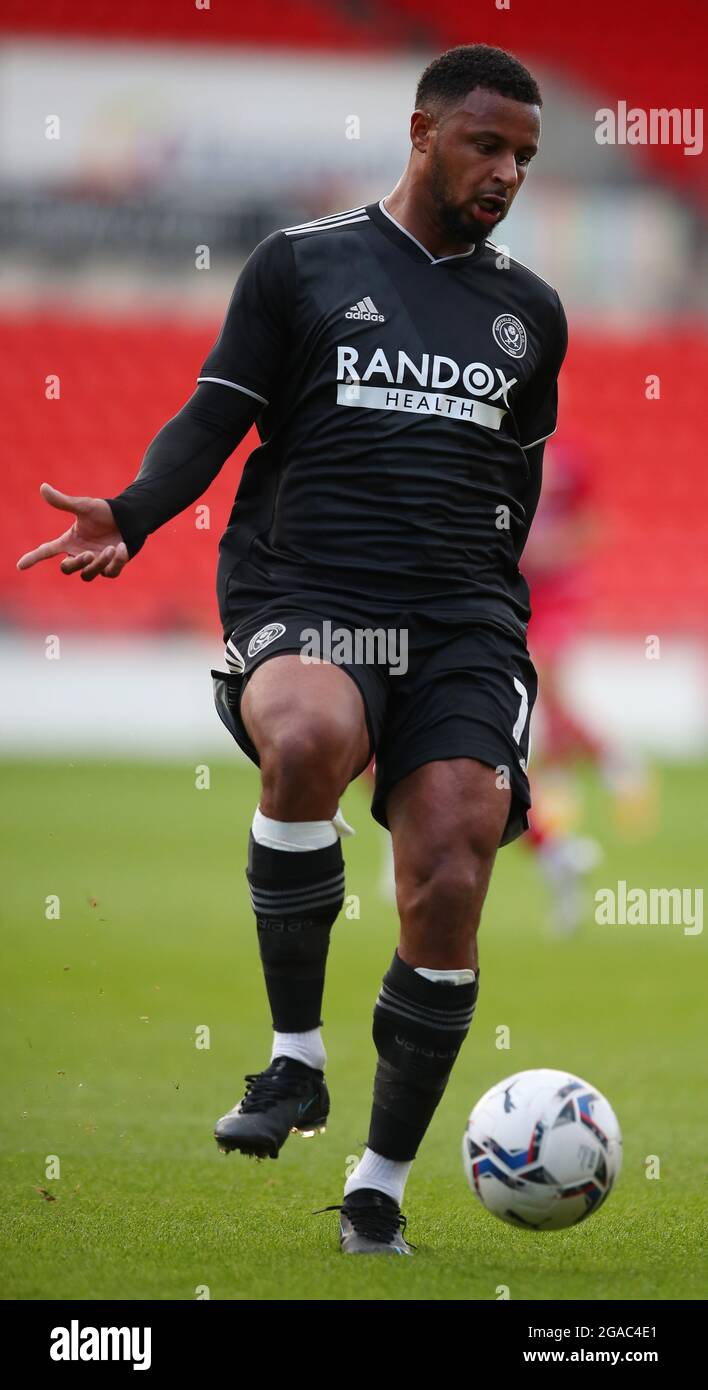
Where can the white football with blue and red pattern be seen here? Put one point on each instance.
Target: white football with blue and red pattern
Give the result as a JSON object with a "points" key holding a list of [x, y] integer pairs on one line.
{"points": [[542, 1149]]}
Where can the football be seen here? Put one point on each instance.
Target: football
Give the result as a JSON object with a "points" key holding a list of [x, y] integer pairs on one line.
{"points": [[542, 1149]]}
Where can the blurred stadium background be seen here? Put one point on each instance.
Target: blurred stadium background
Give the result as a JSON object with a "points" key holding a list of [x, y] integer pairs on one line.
{"points": [[182, 128]]}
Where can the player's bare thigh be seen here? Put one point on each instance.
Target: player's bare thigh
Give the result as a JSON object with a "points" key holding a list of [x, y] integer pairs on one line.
{"points": [[308, 723], [446, 819]]}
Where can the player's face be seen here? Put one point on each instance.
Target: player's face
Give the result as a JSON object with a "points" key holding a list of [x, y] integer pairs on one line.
{"points": [[477, 157]]}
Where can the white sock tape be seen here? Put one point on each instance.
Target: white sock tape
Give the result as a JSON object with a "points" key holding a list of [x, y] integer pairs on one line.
{"points": [[296, 836], [446, 977], [340, 824]]}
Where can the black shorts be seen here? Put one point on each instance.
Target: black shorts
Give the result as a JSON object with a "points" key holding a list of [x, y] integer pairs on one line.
{"points": [[449, 688]]}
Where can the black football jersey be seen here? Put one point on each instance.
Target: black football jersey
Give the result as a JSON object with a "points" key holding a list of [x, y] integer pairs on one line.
{"points": [[398, 395]]}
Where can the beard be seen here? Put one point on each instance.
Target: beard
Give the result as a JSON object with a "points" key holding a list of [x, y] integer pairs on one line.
{"points": [[457, 224]]}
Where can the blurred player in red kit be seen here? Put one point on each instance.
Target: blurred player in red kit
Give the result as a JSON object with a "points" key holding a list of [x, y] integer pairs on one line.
{"points": [[557, 561]]}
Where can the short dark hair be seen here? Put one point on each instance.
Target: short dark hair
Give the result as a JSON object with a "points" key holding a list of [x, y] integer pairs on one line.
{"points": [[454, 73]]}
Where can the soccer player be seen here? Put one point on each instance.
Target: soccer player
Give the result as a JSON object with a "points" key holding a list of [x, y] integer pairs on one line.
{"points": [[401, 372]]}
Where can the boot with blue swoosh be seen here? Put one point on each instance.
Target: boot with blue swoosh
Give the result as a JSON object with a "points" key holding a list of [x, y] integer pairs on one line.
{"points": [[288, 1097]]}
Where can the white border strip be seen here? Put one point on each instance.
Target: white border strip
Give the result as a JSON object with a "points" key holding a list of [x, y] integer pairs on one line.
{"points": [[327, 226], [329, 217]]}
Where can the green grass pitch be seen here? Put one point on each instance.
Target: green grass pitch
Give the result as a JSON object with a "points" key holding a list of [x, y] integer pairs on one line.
{"points": [[156, 940]]}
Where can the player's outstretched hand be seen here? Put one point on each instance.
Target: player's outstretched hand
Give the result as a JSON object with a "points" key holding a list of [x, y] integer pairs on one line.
{"points": [[93, 543]]}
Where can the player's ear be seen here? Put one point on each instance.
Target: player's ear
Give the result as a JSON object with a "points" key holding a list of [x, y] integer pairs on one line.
{"points": [[422, 124]]}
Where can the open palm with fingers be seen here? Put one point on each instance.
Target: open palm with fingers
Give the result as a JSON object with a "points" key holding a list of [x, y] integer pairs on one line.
{"points": [[93, 543]]}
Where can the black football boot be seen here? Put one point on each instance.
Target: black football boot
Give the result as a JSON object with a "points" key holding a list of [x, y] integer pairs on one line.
{"points": [[288, 1097], [371, 1223]]}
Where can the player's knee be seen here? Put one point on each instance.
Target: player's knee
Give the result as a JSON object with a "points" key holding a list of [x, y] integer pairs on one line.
{"points": [[305, 766], [447, 891]]}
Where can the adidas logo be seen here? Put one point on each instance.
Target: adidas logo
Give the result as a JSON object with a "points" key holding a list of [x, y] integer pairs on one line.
{"points": [[365, 309]]}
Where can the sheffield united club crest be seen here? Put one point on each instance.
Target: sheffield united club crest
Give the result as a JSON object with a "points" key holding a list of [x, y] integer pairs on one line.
{"points": [[510, 334]]}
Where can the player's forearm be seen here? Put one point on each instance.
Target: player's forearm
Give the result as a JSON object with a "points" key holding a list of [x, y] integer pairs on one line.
{"points": [[182, 460]]}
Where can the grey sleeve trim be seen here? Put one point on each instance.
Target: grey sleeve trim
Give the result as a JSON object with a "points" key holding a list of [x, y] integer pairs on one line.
{"points": [[538, 441], [234, 387]]}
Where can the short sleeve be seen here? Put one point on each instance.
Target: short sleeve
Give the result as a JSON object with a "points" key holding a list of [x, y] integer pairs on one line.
{"points": [[254, 338], [537, 412]]}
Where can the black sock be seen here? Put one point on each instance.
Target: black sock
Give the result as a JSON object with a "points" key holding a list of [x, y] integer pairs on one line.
{"points": [[296, 897], [419, 1028]]}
